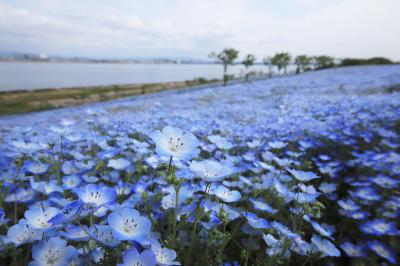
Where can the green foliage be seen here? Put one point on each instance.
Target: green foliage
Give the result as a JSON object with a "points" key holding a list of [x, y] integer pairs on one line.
{"points": [[370, 61], [226, 58], [267, 61], [323, 61], [303, 62], [247, 62], [281, 61]]}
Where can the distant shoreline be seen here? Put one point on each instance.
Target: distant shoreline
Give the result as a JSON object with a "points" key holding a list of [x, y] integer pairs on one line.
{"points": [[24, 101], [106, 62], [122, 62]]}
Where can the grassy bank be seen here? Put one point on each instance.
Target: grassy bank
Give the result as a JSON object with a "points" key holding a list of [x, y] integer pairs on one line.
{"points": [[18, 102]]}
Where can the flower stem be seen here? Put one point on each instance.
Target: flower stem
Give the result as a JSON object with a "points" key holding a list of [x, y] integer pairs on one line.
{"points": [[169, 165], [15, 194], [175, 214], [197, 219]]}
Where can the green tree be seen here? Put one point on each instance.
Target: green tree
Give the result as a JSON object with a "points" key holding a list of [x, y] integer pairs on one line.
{"points": [[370, 61], [248, 61], [268, 63], [226, 58], [323, 61], [281, 61], [303, 62]]}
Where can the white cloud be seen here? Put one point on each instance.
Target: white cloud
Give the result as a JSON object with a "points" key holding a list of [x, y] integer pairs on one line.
{"points": [[194, 28]]}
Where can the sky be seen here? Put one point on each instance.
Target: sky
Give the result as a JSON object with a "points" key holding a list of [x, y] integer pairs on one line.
{"points": [[195, 28]]}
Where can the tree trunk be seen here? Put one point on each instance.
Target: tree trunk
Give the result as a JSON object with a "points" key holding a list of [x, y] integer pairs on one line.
{"points": [[225, 77]]}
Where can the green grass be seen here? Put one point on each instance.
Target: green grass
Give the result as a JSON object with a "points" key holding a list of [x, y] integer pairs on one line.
{"points": [[18, 102]]}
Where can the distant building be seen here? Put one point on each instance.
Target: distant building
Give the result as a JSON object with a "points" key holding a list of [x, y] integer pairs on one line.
{"points": [[43, 57]]}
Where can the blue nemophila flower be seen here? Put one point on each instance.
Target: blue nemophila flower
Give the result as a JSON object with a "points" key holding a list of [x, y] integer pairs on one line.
{"points": [[76, 233], [309, 189], [38, 217], [119, 164], [172, 141], [262, 206], [90, 179], [104, 235], [302, 176], [277, 144], [357, 215], [254, 143], [123, 188], [283, 162], [328, 188], [275, 246], [139, 187], [22, 233], [3, 219], [348, 205], [96, 195], [164, 256], [353, 250], [226, 194], [301, 247], [385, 181], [3, 242], [68, 213], [97, 255], [283, 190], [28, 147], [324, 157], [69, 168], [52, 252], [70, 182], [379, 227], [85, 165], [74, 137], [128, 224], [229, 211], [382, 250], [169, 201], [305, 197], [220, 142], [256, 222], [210, 170], [366, 193], [323, 229], [325, 247], [283, 230], [36, 168], [45, 187], [152, 161], [306, 144], [215, 209], [133, 257]]}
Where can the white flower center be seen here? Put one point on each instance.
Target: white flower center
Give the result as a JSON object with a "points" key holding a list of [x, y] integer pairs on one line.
{"points": [[161, 256], [130, 225], [106, 236], [175, 144], [95, 197], [41, 221], [24, 236], [227, 193], [52, 256], [380, 250], [381, 227]]}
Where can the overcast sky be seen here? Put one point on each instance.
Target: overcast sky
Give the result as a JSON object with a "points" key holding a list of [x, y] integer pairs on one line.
{"points": [[191, 28]]}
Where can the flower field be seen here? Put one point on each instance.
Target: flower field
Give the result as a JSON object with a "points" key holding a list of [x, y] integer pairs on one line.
{"points": [[295, 170]]}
